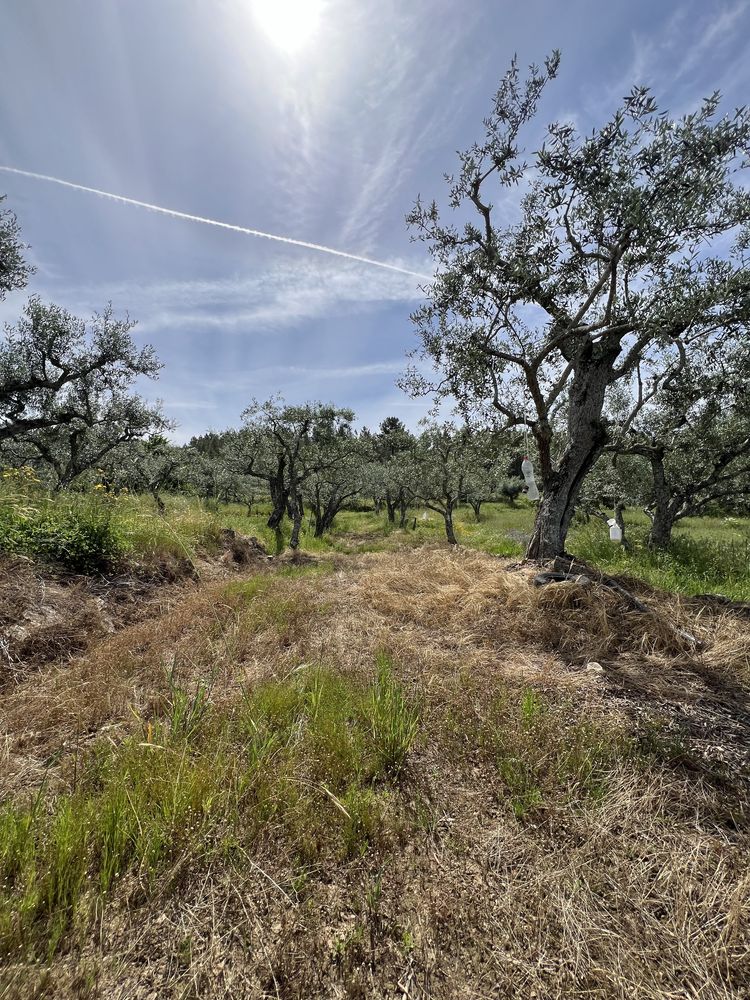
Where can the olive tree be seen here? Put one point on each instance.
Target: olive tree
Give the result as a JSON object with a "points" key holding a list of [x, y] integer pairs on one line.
{"points": [[394, 448], [14, 270], [338, 471], [151, 466], [279, 444], [65, 452], [694, 438], [616, 483], [395, 443], [439, 470], [56, 370], [486, 456], [622, 248]]}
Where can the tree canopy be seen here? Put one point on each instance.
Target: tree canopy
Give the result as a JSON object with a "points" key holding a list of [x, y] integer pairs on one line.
{"points": [[14, 270]]}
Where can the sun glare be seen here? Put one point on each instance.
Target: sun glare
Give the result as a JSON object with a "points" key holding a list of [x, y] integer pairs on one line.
{"points": [[289, 24]]}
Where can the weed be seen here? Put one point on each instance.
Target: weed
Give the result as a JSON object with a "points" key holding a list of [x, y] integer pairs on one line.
{"points": [[546, 753], [186, 710], [393, 721], [78, 532]]}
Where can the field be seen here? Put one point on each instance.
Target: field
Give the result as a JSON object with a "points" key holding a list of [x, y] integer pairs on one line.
{"points": [[383, 767]]}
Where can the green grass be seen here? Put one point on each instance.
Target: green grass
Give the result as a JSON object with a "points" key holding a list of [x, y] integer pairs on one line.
{"points": [[186, 528], [545, 753], [548, 758], [309, 762], [91, 532], [704, 557], [96, 531], [310, 768]]}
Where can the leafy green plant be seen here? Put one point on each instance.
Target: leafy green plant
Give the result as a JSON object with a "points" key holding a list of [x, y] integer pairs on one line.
{"points": [[79, 532]]}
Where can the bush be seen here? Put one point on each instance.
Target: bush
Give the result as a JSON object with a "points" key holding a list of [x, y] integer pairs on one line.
{"points": [[79, 533]]}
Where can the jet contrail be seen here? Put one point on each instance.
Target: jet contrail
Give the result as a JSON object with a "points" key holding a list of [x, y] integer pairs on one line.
{"points": [[214, 222]]}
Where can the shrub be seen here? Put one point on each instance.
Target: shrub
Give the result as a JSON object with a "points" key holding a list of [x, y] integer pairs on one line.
{"points": [[78, 533]]}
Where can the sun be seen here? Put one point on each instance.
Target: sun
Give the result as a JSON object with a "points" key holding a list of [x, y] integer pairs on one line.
{"points": [[288, 24]]}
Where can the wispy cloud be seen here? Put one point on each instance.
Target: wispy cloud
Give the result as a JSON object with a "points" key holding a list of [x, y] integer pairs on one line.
{"points": [[680, 60], [359, 127], [280, 295], [399, 118], [351, 371], [295, 373], [189, 404], [714, 35]]}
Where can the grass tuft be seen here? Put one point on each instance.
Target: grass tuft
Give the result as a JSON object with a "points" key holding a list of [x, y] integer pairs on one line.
{"points": [[306, 759]]}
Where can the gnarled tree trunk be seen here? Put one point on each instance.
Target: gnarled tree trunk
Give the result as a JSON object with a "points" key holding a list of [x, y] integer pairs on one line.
{"points": [[324, 517], [587, 436], [390, 504], [297, 515], [403, 507], [661, 513], [279, 495], [450, 534], [160, 505]]}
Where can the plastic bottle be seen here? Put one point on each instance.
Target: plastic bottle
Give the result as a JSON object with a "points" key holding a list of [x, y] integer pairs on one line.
{"points": [[532, 492], [615, 531]]}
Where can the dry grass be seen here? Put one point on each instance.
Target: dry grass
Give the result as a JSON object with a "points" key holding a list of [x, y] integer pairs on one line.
{"points": [[221, 634], [560, 830]]}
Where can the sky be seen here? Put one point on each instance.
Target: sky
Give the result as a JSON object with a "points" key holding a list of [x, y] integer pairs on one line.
{"points": [[316, 120]]}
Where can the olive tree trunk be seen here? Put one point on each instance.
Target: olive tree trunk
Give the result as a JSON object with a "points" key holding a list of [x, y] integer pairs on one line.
{"points": [[324, 518], [587, 436], [403, 507], [160, 505], [450, 534], [297, 515], [390, 504], [661, 513], [279, 496]]}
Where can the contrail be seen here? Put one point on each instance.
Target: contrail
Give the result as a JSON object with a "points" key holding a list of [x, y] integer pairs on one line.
{"points": [[214, 222]]}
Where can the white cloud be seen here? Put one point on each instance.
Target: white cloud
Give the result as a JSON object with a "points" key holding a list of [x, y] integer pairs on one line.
{"points": [[189, 404], [278, 296], [713, 36], [256, 379], [360, 115], [681, 60]]}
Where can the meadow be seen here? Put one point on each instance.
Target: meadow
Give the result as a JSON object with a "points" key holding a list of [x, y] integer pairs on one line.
{"points": [[85, 530], [386, 766]]}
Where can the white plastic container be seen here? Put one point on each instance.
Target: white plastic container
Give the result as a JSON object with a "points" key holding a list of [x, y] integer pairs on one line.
{"points": [[615, 531], [532, 491]]}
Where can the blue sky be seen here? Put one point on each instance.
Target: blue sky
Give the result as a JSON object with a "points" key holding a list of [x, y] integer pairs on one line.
{"points": [[200, 107]]}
